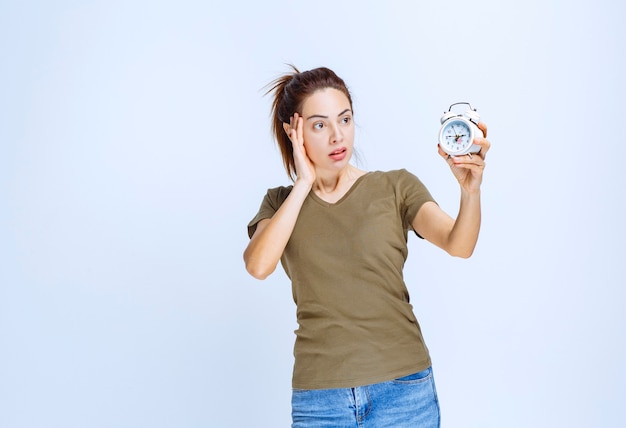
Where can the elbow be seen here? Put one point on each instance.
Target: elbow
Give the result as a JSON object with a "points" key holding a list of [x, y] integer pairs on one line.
{"points": [[466, 255], [462, 253], [461, 248], [258, 271]]}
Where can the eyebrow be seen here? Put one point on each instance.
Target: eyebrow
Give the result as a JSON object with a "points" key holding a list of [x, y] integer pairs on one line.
{"points": [[326, 117]]}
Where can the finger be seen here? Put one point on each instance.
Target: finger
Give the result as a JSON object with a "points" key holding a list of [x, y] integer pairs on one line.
{"points": [[287, 127], [471, 168], [474, 163], [442, 153], [292, 124], [482, 127], [484, 144], [300, 130], [468, 158]]}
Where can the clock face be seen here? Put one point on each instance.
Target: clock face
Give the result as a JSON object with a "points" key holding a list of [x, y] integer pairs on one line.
{"points": [[456, 136]]}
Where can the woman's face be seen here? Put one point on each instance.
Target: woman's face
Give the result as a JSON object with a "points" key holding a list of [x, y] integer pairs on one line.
{"points": [[328, 129]]}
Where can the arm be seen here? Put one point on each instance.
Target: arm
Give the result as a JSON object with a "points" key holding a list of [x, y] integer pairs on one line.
{"points": [[271, 235], [457, 237]]}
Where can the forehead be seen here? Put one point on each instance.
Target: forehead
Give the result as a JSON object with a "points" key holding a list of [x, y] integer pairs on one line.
{"points": [[326, 101]]}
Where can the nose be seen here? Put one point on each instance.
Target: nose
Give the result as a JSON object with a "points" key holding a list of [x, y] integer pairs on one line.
{"points": [[337, 135]]}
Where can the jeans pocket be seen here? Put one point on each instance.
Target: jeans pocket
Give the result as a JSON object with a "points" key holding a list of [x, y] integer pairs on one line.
{"points": [[415, 378]]}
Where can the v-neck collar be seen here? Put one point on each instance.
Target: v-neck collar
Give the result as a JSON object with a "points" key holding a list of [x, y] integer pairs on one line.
{"points": [[322, 202]]}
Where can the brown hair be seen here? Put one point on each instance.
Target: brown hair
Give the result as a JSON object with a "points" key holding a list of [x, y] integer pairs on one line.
{"points": [[290, 91]]}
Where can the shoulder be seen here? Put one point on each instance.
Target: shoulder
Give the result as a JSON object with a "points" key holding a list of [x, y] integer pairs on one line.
{"points": [[400, 182], [406, 185], [396, 176], [277, 195], [280, 190]]}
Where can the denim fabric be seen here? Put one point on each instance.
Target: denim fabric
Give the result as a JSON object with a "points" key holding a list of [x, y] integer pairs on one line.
{"points": [[410, 401]]}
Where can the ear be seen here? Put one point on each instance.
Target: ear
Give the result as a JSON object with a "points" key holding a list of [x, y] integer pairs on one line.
{"points": [[286, 127]]}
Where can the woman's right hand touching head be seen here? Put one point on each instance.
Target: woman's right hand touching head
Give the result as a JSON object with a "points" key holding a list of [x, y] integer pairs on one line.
{"points": [[305, 169]]}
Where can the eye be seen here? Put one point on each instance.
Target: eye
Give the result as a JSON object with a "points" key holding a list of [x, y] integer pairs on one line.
{"points": [[346, 119], [318, 125]]}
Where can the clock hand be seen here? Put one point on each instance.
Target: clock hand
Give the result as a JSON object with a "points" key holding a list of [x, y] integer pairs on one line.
{"points": [[456, 133], [458, 136]]}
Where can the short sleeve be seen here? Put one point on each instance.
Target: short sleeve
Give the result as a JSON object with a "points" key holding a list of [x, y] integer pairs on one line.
{"points": [[272, 200], [413, 195]]}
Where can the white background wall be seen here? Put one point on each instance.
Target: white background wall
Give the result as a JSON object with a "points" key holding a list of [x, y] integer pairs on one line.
{"points": [[135, 147]]}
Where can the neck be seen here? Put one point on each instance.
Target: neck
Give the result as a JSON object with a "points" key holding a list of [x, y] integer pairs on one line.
{"points": [[334, 186]]}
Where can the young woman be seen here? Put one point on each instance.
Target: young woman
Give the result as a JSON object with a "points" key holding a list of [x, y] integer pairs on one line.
{"points": [[341, 236]]}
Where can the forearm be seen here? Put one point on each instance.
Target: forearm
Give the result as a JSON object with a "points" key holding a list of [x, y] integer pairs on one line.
{"points": [[268, 243], [464, 233]]}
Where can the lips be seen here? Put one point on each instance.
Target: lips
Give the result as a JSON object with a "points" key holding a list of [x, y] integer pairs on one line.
{"points": [[338, 154]]}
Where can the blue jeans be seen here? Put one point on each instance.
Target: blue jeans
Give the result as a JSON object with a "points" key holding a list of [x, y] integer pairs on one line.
{"points": [[410, 401]]}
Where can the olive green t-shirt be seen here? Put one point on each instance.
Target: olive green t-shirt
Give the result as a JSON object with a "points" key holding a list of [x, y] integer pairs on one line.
{"points": [[345, 260]]}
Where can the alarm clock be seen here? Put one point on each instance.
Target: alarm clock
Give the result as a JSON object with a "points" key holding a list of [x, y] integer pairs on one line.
{"points": [[456, 136]]}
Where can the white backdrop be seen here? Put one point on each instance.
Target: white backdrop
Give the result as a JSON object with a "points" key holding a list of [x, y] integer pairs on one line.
{"points": [[135, 147]]}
